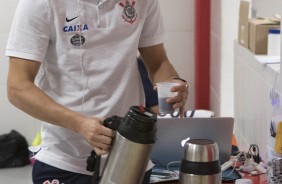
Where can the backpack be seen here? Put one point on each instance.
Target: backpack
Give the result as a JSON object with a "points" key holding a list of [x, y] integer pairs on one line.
{"points": [[13, 150]]}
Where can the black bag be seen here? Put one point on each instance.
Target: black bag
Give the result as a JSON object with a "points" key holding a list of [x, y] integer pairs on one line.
{"points": [[13, 150]]}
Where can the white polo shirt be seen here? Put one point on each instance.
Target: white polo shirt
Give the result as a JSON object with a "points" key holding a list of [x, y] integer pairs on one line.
{"points": [[92, 71]]}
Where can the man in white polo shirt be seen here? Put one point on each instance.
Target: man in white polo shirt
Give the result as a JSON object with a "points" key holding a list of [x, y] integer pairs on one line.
{"points": [[73, 63]]}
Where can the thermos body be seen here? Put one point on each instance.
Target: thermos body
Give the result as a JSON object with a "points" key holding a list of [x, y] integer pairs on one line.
{"points": [[200, 163], [135, 135], [126, 158], [199, 179]]}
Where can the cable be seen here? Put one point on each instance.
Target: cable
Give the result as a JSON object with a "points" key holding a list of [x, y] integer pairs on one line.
{"points": [[173, 162], [236, 161], [274, 96], [78, 11], [79, 6], [254, 151], [155, 161], [166, 168]]}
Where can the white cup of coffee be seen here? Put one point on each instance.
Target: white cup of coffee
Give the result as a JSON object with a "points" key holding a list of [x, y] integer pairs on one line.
{"points": [[164, 92]]}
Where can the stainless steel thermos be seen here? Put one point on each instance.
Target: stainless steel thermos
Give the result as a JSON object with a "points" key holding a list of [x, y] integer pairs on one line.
{"points": [[200, 163], [135, 135]]}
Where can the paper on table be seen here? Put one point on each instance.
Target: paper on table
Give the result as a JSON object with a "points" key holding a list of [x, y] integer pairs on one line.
{"points": [[161, 175], [264, 59]]}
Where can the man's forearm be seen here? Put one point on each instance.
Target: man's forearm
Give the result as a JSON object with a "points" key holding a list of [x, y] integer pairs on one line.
{"points": [[164, 72], [29, 98]]}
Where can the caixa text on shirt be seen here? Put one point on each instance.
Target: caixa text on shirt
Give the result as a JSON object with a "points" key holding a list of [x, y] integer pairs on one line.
{"points": [[73, 28]]}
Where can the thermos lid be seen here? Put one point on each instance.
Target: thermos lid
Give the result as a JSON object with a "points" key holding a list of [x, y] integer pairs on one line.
{"points": [[139, 125], [201, 150]]}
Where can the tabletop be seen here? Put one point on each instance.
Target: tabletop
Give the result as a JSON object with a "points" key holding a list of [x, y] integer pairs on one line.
{"points": [[259, 179]]}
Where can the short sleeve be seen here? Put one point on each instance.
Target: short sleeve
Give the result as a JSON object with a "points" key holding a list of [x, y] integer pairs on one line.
{"points": [[153, 28], [30, 32]]}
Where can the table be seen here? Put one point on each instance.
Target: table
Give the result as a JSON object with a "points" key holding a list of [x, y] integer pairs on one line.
{"points": [[259, 179]]}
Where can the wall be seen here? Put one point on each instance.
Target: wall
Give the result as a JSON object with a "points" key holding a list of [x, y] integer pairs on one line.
{"points": [[253, 110], [253, 84], [179, 21], [267, 8], [242, 77], [224, 23]]}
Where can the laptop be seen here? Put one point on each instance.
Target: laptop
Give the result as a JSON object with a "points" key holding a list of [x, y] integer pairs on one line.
{"points": [[171, 131]]}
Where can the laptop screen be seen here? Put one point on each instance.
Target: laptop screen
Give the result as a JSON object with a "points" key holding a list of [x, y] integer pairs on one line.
{"points": [[171, 132]]}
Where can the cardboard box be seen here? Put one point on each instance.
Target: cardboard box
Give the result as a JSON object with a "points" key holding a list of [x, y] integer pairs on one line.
{"points": [[258, 34], [243, 29]]}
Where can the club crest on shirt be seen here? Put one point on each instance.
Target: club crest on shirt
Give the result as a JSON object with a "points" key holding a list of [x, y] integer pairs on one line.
{"points": [[129, 13]]}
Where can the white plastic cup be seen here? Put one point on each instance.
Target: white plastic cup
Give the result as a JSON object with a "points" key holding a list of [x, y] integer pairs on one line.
{"points": [[164, 92], [243, 181]]}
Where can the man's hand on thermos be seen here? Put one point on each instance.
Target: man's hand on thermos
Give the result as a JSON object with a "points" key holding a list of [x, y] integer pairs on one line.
{"points": [[97, 135]]}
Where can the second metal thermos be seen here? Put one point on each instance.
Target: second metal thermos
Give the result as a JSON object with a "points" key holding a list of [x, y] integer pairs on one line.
{"points": [[200, 163]]}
